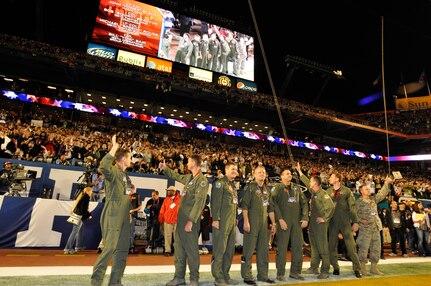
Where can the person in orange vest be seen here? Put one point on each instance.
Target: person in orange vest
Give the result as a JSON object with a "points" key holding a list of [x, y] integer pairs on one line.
{"points": [[168, 217]]}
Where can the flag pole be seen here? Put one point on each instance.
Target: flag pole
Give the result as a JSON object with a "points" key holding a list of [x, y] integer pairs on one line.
{"points": [[384, 98]]}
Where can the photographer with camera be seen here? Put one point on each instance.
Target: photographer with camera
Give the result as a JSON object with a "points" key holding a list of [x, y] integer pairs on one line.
{"points": [[5, 177], [94, 178]]}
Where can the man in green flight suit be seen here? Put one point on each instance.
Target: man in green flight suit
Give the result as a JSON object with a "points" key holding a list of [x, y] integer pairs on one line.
{"points": [[186, 236], [344, 221], [115, 220], [224, 203], [291, 212], [321, 211], [256, 206]]}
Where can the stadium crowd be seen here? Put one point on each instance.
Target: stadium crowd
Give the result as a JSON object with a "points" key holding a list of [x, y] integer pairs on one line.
{"points": [[63, 141], [407, 122]]}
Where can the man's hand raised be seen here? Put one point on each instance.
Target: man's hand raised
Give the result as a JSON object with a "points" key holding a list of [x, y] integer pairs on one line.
{"points": [[114, 142]]}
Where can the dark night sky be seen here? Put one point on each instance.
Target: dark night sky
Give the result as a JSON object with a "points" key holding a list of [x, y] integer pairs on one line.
{"points": [[344, 34]]}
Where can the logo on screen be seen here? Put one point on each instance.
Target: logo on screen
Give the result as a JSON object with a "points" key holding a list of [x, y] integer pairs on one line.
{"points": [[101, 52], [224, 81], [151, 65]]}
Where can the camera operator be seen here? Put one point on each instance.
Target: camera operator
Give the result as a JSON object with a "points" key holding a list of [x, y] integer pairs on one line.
{"points": [[93, 178], [98, 186], [5, 177]]}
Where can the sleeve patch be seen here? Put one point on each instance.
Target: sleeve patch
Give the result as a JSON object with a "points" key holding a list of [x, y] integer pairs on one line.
{"points": [[203, 184], [217, 185]]}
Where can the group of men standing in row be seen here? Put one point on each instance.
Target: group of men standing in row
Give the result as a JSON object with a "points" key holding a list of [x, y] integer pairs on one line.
{"points": [[333, 211], [208, 51], [328, 215]]}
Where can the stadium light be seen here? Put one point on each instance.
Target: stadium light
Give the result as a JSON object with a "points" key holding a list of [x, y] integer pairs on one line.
{"points": [[313, 66]]}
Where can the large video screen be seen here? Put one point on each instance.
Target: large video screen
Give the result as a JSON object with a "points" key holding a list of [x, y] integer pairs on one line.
{"points": [[146, 29], [197, 43], [130, 25]]}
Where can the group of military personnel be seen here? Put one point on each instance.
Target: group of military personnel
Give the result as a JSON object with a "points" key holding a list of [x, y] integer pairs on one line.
{"points": [[208, 51], [283, 210]]}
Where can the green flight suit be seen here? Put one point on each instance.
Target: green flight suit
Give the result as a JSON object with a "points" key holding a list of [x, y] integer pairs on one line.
{"points": [[224, 202], [369, 234], [344, 216], [258, 202], [115, 223], [291, 205], [321, 206], [192, 202], [225, 51]]}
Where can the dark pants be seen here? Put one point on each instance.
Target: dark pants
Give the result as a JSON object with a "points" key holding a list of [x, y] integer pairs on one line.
{"points": [[155, 234], [397, 235], [411, 238]]}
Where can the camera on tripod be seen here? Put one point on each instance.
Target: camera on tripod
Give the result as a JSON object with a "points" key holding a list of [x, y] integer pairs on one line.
{"points": [[16, 177], [86, 179], [91, 167], [18, 173]]}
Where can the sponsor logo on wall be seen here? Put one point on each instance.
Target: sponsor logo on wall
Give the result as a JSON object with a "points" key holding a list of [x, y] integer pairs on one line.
{"points": [[131, 58], [101, 51], [224, 81], [246, 85]]}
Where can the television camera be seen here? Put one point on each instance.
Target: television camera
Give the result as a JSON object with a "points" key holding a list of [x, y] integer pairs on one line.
{"points": [[15, 177], [86, 178]]}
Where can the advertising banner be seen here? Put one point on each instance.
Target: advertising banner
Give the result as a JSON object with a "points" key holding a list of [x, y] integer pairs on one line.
{"points": [[200, 74], [131, 58], [246, 85], [420, 102], [101, 51], [158, 64]]}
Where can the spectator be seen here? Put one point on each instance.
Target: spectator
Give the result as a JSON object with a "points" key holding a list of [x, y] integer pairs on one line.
{"points": [[76, 237], [385, 235], [397, 227], [135, 200], [422, 225], [168, 217], [410, 229], [62, 160], [152, 209]]}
